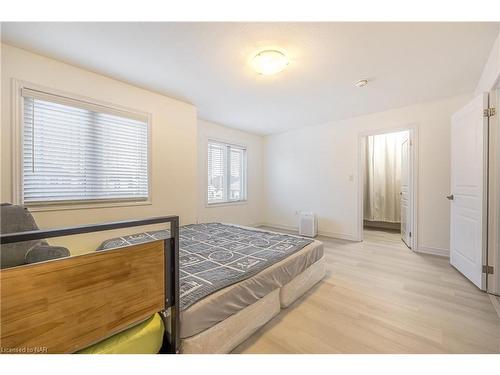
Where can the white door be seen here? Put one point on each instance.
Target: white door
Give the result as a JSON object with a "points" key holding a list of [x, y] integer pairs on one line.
{"points": [[405, 193], [468, 198]]}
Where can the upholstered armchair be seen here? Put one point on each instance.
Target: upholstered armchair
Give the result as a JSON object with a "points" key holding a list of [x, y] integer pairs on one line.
{"points": [[14, 218]]}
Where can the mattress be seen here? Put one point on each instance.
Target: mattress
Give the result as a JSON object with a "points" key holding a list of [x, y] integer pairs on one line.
{"points": [[144, 338], [300, 284], [292, 255], [228, 334], [213, 256], [230, 300]]}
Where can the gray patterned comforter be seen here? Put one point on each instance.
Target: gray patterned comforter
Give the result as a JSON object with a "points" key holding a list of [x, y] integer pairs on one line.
{"points": [[213, 256]]}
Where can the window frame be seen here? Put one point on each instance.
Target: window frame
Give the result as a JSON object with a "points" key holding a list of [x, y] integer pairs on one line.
{"points": [[244, 185], [17, 150]]}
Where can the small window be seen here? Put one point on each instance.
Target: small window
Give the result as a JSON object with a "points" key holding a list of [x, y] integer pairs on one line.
{"points": [[74, 151], [227, 173]]}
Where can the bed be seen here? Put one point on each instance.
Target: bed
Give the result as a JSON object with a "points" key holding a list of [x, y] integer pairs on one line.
{"points": [[225, 294], [135, 298], [101, 302]]}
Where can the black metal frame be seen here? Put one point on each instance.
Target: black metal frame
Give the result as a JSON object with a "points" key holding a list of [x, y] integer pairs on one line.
{"points": [[171, 253]]}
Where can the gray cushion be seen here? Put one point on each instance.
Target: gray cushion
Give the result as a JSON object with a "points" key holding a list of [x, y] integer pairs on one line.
{"points": [[40, 253], [14, 218]]}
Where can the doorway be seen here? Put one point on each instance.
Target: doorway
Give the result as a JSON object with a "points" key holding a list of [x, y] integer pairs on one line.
{"points": [[386, 184]]}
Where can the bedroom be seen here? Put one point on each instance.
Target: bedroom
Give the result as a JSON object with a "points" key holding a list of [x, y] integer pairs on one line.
{"points": [[252, 125]]}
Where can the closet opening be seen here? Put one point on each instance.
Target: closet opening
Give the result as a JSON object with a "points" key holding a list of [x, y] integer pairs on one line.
{"points": [[387, 181]]}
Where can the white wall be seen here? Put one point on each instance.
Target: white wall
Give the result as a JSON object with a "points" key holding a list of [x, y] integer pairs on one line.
{"points": [[309, 170], [490, 77], [247, 213], [174, 142]]}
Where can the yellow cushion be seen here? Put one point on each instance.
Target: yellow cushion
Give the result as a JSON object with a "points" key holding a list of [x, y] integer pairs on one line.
{"points": [[144, 338]]}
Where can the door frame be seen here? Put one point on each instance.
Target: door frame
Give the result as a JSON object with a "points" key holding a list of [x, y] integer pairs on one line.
{"points": [[412, 129], [493, 227]]}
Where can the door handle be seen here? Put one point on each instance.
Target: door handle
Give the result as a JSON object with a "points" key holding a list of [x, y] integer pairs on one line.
{"points": [[450, 197]]}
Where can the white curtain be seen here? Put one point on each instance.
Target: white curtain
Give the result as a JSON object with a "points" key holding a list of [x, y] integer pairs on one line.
{"points": [[383, 177]]}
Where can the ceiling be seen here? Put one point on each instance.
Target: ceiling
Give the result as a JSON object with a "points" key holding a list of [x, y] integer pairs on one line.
{"points": [[207, 64]]}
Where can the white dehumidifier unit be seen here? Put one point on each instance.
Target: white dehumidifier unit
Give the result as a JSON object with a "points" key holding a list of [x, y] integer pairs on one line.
{"points": [[307, 224]]}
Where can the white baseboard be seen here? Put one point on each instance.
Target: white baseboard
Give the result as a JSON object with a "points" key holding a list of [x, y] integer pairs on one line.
{"points": [[349, 237], [256, 225], [339, 236], [495, 300], [279, 226], [433, 251]]}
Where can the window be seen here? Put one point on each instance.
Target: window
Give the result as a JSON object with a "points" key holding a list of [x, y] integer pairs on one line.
{"points": [[74, 151], [226, 173]]}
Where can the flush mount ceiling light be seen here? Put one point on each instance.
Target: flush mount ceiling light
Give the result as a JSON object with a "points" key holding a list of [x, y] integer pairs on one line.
{"points": [[269, 62], [361, 83]]}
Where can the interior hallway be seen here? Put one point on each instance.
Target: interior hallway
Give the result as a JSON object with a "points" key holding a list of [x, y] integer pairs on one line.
{"points": [[380, 297]]}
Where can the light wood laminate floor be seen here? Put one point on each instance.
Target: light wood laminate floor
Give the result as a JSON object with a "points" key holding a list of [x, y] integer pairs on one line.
{"points": [[380, 297]]}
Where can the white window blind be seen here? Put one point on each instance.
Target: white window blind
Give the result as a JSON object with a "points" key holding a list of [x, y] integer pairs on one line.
{"points": [[78, 151], [226, 172]]}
